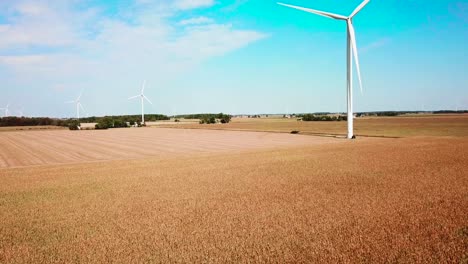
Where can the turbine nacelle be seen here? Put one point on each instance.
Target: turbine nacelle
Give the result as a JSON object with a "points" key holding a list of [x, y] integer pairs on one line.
{"points": [[349, 23]]}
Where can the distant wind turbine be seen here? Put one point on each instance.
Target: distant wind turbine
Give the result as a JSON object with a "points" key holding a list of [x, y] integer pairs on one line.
{"points": [[78, 105], [7, 111], [143, 98], [21, 112], [351, 50]]}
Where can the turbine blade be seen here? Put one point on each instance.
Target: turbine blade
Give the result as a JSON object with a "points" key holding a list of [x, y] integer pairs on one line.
{"points": [[82, 108], [143, 87], [81, 93], [147, 99], [355, 53], [317, 12], [69, 102], [133, 97], [362, 5]]}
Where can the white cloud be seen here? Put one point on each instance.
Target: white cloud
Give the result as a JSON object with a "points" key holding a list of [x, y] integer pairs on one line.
{"points": [[56, 43], [22, 60], [32, 8], [196, 21], [39, 24], [213, 40], [192, 4]]}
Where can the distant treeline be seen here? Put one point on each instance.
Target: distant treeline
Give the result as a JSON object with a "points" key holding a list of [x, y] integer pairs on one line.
{"points": [[379, 113], [46, 121], [124, 118], [450, 112], [208, 118], [322, 117], [396, 113], [385, 113], [31, 121], [111, 122], [388, 113], [121, 121]]}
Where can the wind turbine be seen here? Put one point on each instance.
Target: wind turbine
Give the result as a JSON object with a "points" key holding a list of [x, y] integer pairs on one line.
{"points": [[7, 111], [143, 98], [21, 112], [78, 105], [351, 50]]}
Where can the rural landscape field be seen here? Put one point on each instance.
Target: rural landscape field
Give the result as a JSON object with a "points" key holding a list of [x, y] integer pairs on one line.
{"points": [[154, 194], [233, 131], [399, 126]]}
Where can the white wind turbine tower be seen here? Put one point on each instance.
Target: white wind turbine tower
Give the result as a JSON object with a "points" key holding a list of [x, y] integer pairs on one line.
{"points": [[142, 98], [78, 105], [7, 111], [351, 50], [21, 112]]}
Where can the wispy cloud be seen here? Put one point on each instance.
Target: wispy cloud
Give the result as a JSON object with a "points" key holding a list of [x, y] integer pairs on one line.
{"points": [[375, 45], [23, 60], [213, 40], [33, 23], [196, 21], [232, 7], [192, 4]]}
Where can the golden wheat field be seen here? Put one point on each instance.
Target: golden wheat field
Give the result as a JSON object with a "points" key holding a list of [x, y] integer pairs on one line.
{"points": [[64, 146], [161, 195], [399, 126]]}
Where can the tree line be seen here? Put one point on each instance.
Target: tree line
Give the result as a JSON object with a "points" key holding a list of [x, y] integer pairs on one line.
{"points": [[312, 117], [109, 121], [208, 118], [31, 121], [124, 118], [122, 121]]}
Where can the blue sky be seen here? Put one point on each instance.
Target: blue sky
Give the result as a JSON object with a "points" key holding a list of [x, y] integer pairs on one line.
{"points": [[238, 56]]}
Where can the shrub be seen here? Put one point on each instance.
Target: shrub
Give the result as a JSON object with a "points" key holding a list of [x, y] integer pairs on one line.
{"points": [[74, 125], [101, 126], [105, 123], [224, 119], [120, 123]]}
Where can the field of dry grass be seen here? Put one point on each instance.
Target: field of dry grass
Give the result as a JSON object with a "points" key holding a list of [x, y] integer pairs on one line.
{"points": [[173, 195], [30, 128], [402, 126], [55, 147]]}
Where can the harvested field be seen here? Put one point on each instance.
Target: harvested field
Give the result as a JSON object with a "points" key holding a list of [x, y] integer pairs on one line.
{"points": [[53, 147], [401, 126], [368, 200], [28, 128]]}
